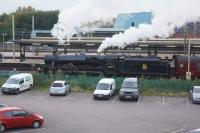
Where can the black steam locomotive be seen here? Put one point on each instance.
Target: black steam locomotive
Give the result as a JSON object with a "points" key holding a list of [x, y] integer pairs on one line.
{"points": [[109, 65]]}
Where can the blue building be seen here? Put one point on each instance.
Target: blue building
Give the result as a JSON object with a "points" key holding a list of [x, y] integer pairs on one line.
{"points": [[123, 22], [127, 20]]}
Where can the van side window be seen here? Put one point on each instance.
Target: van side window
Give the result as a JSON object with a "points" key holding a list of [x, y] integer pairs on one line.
{"points": [[28, 78], [111, 87], [21, 81], [66, 83]]}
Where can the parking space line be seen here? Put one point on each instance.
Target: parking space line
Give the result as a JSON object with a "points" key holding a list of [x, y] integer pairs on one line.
{"points": [[42, 97], [67, 96], [163, 100], [115, 99], [90, 98], [139, 100], [27, 131], [187, 102]]}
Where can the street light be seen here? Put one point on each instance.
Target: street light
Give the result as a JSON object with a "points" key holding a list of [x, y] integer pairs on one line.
{"points": [[22, 34], [3, 34], [188, 73]]}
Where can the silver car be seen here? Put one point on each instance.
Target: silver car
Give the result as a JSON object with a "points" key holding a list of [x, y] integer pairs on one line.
{"points": [[60, 88], [195, 94]]}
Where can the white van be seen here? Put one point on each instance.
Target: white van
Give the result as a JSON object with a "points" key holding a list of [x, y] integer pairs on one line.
{"points": [[17, 83], [105, 88]]}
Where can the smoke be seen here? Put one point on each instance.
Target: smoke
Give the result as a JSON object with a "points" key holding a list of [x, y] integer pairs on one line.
{"points": [[164, 22], [167, 15], [87, 11]]}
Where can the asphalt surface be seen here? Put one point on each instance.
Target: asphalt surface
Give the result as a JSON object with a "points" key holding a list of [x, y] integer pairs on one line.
{"points": [[79, 113]]}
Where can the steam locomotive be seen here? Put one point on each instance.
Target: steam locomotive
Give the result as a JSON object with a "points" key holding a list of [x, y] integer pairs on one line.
{"points": [[115, 65]]}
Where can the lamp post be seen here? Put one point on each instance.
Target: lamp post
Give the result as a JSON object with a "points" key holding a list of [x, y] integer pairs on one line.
{"points": [[22, 34], [3, 34], [188, 73]]}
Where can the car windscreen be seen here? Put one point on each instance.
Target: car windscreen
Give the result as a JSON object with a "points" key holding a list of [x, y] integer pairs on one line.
{"points": [[1, 105], [131, 85], [12, 81], [196, 90], [57, 85], [102, 86]]}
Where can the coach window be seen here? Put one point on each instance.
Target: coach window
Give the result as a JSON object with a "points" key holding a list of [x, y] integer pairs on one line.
{"points": [[181, 65]]}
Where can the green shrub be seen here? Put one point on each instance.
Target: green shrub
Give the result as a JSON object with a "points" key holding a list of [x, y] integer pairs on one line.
{"points": [[83, 83]]}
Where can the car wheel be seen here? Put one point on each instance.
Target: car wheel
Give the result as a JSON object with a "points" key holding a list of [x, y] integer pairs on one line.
{"points": [[109, 97], [51, 94], [120, 98], [65, 93], [137, 99], [2, 127], [30, 87], [36, 124], [17, 92], [193, 101], [94, 98]]}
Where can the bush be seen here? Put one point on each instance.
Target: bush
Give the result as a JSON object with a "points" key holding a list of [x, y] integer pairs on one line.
{"points": [[83, 83]]}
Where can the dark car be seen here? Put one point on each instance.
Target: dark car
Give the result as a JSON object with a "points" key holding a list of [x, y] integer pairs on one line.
{"points": [[13, 117], [129, 89]]}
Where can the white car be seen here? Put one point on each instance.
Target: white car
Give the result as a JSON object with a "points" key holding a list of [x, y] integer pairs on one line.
{"points": [[17, 83], [105, 89], [60, 88], [195, 94]]}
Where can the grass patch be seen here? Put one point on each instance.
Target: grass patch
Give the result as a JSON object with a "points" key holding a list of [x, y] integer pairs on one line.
{"points": [[83, 83]]}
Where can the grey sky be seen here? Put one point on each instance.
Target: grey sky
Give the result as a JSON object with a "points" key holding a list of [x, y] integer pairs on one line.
{"points": [[8, 6]]}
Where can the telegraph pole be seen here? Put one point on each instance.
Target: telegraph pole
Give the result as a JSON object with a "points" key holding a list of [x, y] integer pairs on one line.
{"points": [[188, 73], [3, 34]]}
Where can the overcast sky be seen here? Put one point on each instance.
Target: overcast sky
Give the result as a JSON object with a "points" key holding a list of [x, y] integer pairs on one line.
{"points": [[8, 6]]}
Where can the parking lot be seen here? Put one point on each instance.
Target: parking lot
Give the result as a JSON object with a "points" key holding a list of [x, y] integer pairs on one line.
{"points": [[79, 113]]}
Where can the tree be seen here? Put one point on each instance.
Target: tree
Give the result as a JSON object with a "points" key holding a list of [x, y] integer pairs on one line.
{"points": [[44, 20]]}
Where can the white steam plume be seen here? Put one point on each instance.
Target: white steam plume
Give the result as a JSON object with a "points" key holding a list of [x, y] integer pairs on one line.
{"points": [[88, 11], [165, 20], [168, 14]]}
